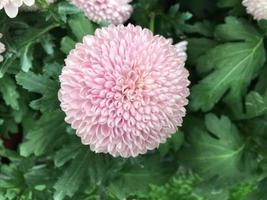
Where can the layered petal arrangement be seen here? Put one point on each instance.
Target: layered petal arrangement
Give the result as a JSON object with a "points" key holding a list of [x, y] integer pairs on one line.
{"points": [[113, 11], [257, 8], [12, 6], [2, 48], [124, 90]]}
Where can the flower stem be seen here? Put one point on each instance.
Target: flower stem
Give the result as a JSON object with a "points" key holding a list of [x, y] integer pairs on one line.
{"points": [[152, 22]]}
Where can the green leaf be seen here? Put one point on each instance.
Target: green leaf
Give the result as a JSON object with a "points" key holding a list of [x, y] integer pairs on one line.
{"points": [[48, 102], [174, 143], [66, 44], [231, 66], [260, 193], [9, 92], [48, 133], [67, 153], [65, 8], [47, 44], [242, 191], [228, 3], [26, 58], [81, 26], [222, 150], [198, 47], [33, 82], [39, 177], [204, 28], [22, 47], [261, 86], [256, 105], [73, 176], [151, 171], [181, 186], [41, 84], [9, 60], [52, 70], [33, 35], [244, 31], [4, 152]]}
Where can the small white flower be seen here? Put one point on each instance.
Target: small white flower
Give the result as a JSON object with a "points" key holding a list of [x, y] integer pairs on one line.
{"points": [[257, 8], [12, 6]]}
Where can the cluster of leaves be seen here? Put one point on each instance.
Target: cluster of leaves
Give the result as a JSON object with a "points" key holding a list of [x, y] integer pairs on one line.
{"points": [[219, 153]]}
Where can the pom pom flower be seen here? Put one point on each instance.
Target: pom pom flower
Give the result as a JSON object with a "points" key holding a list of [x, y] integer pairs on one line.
{"points": [[257, 8], [2, 49], [124, 90], [12, 6], [113, 11]]}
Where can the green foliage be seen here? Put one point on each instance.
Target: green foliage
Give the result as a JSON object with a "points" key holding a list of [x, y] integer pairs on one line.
{"points": [[39, 142], [212, 147], [81, 26], [242, 191], [43, 84], [149, 171], [228, 61], [256, 105], [73, 175], [219, 155], [8, 89], [181, 187]]}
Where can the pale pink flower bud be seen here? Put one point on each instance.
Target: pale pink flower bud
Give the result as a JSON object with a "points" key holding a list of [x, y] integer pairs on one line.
{"points": [[113, 11], [257, 8]]}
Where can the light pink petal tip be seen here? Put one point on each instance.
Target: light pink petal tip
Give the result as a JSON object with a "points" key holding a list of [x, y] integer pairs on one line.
{"points": [[124, 90]]}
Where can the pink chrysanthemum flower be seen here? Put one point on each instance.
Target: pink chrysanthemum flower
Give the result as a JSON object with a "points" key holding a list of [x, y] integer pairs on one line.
{"points": [[257, 8], [124, 90], [12, 6], [2, 48], [113, 11]]}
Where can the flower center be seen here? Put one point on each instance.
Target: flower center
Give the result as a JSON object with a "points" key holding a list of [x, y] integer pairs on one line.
{"points": [[133, 86]]}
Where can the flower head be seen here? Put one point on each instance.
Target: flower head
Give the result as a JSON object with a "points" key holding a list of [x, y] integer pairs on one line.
{"points": [[113, 11], [257, 8], [124, 89], [12, 6], [2, 48]]}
